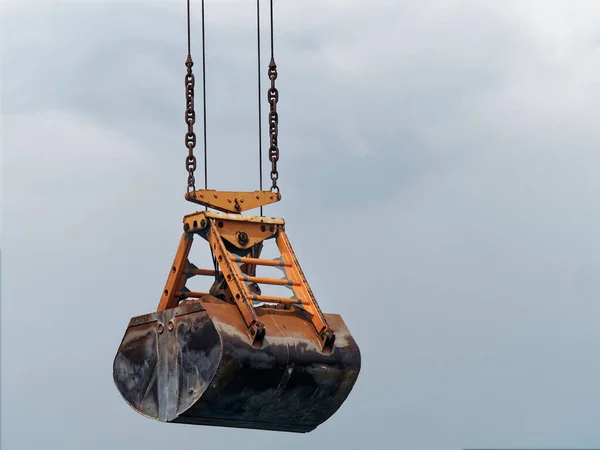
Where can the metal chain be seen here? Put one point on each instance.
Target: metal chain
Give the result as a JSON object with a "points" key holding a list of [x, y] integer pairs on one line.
{"points": [[273, 96], [190, 119]]}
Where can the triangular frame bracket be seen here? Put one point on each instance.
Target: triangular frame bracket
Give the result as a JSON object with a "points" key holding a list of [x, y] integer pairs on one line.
{"points": [[230, 236]]}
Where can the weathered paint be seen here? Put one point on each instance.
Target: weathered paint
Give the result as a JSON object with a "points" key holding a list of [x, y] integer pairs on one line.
{"points": [[206, 372]]}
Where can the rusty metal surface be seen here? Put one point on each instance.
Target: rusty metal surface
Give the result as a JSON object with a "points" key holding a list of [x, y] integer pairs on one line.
{"points": [[194, 364]]}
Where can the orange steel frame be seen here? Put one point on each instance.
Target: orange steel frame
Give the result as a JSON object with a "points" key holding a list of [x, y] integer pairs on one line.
{"points": [[243, 232], [232, 202]]}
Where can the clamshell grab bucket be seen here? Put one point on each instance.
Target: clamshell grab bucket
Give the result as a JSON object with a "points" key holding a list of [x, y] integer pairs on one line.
{"points": [[234, 356], [194, 364]]}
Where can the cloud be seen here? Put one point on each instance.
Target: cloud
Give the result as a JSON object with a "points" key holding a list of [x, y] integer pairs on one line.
{"points": [[437, 168]]}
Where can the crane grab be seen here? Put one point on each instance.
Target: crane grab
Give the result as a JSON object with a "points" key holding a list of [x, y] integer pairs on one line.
{"points": [[232, 356]]}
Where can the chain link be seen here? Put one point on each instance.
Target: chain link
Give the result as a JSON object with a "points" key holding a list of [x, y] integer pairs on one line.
{"points": [[273, 96], [190, 119]]}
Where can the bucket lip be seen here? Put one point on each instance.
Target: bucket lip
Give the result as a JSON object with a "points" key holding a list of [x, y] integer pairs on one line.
{"points": [[143, 319], [190, 308], [180, 310], [246, 424]]}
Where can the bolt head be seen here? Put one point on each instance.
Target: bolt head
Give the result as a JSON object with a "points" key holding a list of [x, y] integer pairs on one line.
{"points": [[243, 237]]}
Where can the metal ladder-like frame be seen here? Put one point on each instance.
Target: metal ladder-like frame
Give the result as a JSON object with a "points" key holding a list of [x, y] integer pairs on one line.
{"points": [[241, 234]]}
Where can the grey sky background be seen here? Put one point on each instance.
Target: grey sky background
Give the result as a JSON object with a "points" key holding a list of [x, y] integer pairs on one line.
{"points": [[439, 171]]}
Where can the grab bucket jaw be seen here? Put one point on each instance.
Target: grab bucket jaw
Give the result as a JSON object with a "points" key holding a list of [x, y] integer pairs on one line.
{"points": [[194, 364]]}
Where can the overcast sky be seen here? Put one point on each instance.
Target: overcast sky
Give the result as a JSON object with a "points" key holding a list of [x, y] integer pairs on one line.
{"points": [[439, 172]]}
